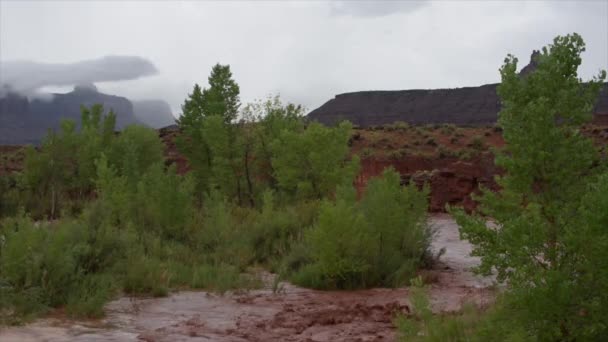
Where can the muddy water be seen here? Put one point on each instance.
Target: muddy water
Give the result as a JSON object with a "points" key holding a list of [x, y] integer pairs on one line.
{"points": [[292, 314]]}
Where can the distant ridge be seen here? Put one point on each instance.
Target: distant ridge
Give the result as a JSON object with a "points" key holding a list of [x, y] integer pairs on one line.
{"points": [[27, 121], [460, 106]]}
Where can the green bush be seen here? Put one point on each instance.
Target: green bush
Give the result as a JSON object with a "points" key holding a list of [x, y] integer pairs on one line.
{"points": [[41, 262], [477, 143], [90, 294], [448, 129], [310, 164], [379, 241]]}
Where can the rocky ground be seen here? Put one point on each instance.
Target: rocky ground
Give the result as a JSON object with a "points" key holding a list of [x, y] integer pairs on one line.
{"points": [[290, 314]]}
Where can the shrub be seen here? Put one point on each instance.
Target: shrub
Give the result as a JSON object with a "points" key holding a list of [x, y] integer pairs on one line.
{"points": [[445, 152], [401, 126], [477, 143], [43, 266], [310, 164], [471, 323], [448, 129], [379, 241], [367, 152], [397, 154]]}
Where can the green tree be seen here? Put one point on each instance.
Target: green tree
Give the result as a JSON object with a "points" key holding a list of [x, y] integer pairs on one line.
{"points": [[549, 166], [191, 142], [273, 117], [261, 123], [220, 100], [96, 136], [222, 96], [50, 173], [381, 240], [134, 151], [311, 163]]}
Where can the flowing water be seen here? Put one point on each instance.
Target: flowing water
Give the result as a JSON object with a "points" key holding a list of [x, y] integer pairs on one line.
{"points": [[290, 314]]}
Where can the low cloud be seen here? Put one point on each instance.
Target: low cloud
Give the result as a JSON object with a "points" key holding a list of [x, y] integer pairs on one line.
{"points": [[27, 77], [374, 8]]}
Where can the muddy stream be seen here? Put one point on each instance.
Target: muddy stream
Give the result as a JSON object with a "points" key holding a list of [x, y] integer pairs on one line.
{"points": [[292, 314]]}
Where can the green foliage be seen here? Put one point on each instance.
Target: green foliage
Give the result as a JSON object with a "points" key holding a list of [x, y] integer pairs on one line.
{"points": [[367, 152], [204, 110], [379, 241], [134, 151], [477, 143], [60, 177], [448, 129], [9, 196], [397, 126], [102, 214], [543, 212], [397, 154], [43, 266], [310, 164], [471, 324], [445, 152]]}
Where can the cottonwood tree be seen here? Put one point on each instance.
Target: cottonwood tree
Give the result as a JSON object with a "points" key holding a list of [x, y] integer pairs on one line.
{"points": [[220, 100], [534, 244], [311, 163]]}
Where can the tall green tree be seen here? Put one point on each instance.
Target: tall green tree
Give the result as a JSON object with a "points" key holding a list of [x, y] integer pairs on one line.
{"points": [[222, 96], [261, 124], [220, 100], [549, 166]]}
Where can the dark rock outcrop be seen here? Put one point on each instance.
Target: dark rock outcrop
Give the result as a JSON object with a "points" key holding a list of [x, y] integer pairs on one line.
{"points": [[460, 106], [532, 65], [24, 121]]}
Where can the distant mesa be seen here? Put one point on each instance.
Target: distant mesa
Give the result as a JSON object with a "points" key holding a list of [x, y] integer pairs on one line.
{"points": [[85, 87], [24, 121], [460, 106]]}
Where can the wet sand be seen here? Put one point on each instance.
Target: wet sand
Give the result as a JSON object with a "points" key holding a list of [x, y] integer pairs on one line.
{"points": [[291, 314]]}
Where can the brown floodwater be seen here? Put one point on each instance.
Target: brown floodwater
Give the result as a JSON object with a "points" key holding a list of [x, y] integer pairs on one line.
{"points": [[290, 314]]}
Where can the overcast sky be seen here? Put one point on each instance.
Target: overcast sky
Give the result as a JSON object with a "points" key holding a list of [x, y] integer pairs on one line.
{"points": [[308, 51]]}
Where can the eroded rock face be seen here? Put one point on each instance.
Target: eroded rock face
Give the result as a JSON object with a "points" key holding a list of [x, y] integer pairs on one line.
{"points": [[172, 155], [452, 181]]}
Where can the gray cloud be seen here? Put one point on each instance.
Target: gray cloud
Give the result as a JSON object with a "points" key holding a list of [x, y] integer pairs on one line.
{"points": [[308, 51], [27, 77], [374, 8]]}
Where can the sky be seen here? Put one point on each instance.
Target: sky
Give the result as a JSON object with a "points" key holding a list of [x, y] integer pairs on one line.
{"points": [[306, 51]]}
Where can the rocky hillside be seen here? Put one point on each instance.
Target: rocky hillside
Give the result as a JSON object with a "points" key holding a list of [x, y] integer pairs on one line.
{"points": [[454, 161], [461, 106]]}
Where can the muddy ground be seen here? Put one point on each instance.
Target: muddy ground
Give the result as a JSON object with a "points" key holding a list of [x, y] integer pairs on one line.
{"points": [[292, 314]]}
